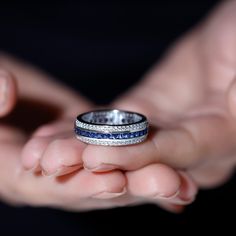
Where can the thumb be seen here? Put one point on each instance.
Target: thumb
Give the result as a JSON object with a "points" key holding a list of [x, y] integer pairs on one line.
{"points": [[7, 92]]}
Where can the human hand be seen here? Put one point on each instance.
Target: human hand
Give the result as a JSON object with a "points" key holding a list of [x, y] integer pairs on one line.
{"points": [[191, 103], [38, 95], [189, 99], [54, 151], [40, 100]]}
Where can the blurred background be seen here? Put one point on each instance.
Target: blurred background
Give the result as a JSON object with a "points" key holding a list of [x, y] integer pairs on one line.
{"points": [[107, 45]]}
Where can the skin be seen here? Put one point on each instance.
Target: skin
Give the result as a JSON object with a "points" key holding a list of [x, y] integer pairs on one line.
{"points": [[80, 190], [190, 100]]}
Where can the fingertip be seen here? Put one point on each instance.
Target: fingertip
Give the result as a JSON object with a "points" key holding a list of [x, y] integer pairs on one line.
{"points": [[93, 157], [111, 185], [188, 189], [55, 128], [156, 181], [8, 90], [32, 152], [172, 208], [63, 156], [84, 185]]}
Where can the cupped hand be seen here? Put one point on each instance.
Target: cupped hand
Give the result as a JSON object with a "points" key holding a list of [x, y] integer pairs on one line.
{"points": [[40, 100], [190, 100]]}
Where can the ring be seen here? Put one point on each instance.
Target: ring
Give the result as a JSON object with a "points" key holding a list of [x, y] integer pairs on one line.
{"points": [[111, 127]]}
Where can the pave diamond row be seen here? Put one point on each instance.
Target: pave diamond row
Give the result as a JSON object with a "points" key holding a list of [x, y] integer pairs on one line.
{"points": [[112, 142], [112, 128]]}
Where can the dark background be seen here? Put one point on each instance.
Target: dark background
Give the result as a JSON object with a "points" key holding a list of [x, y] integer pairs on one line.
{"points": [[106, 45]]}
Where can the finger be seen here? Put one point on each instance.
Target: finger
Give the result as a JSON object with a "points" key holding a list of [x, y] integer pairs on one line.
{"points": [[62, 156], [55, 128], [36, 84], [160, 183], [33, 151], [7, 92], [181, 147], [173, 208], [71, 192], [36, 146]]}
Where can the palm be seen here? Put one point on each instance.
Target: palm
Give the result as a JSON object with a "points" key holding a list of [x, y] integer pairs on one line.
{"points": [[190, 96]]}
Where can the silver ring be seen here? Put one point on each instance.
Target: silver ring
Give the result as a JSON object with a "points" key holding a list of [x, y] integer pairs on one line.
{"points": [[111, 127]]}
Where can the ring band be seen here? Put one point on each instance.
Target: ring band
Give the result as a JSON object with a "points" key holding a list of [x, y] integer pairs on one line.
{"points": [[111, 127]]}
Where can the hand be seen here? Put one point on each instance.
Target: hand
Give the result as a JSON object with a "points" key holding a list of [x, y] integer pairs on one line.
{"points": [[40, 100], [190, 99], [54, 151]]}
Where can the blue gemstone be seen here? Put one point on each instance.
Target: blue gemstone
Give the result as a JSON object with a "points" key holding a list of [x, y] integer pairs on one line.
{"points": [[116, 136], [136, 134], [99, 136], [124, 136], [92, 135], [82, 132], [131, 135], [104, 136], [140, 132]]}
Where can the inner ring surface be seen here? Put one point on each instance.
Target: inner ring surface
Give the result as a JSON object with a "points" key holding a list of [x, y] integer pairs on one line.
{"points": [[112, 117]]}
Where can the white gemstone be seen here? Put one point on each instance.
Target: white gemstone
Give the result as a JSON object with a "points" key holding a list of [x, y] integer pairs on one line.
{"points": [[112, 142]]}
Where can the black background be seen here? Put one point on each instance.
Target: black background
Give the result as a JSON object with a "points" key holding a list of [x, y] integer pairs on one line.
{"points": [[106, 45]]}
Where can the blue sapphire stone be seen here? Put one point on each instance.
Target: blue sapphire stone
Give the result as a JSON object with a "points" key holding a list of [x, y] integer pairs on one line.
{"points": [[116, 136], [131, 135], [91, 134]]}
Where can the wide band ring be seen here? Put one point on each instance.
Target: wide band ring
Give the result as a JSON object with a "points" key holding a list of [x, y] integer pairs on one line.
{"points": [[111, 127]]}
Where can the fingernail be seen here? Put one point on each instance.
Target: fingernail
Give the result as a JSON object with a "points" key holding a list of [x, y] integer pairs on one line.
{"points": [[35, 168], [175, 198], [186, 194], [61, 171], [174, 208], [3, 90], [108, 195], [103, 168], [48, 174], [165, 197], [189, 190]]}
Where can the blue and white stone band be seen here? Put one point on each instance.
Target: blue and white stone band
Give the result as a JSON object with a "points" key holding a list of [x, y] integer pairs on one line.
{"points": [[111, 127]]}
